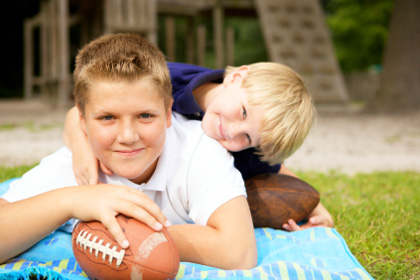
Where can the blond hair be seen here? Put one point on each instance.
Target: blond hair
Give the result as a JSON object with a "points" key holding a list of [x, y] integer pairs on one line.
{"points": [[289, 111], [120, 57]]}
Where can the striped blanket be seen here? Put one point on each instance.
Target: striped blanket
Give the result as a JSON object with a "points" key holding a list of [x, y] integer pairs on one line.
{"points": [[316, 253]]}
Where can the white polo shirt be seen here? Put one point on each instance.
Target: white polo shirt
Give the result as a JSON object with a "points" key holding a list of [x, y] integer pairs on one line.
{"points": [[194, 175]]}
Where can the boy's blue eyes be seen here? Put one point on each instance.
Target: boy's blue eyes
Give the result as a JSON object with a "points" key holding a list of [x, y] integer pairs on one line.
{"points": [[107, 118], [244, 114], [142, 116], [145, 116]]}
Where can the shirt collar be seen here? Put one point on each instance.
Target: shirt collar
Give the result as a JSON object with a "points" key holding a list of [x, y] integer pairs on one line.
{"points": [[159, 178]]}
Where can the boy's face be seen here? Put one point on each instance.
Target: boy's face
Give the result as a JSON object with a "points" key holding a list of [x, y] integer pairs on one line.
{"points": [[126, 127], [231, 120]]}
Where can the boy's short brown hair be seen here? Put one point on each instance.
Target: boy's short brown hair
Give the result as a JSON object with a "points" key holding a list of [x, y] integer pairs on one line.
{"points": [[289, 108], [120, 57]]}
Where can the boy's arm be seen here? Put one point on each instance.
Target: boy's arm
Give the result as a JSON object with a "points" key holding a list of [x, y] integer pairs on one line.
{"points": [[85, 164], [227, 241], [25, 222], [319, 216]]}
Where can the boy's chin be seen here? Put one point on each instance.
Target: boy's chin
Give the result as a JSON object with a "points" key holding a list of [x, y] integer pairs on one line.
{"points": [[227, 146], [137, 176]]}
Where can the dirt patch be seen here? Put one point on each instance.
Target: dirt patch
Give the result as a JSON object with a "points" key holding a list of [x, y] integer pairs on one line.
{"points": [[343, 139], [353, 142], [29, 131]]}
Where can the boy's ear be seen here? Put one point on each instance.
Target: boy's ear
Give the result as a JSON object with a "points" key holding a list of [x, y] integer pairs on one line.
{"points": [[236, 76], [169, 115]]}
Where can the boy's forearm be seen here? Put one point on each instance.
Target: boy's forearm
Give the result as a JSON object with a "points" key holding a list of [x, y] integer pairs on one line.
{"points": [[227, 242], [25, 222], [207, 246], [286, 171], [73, 136]]}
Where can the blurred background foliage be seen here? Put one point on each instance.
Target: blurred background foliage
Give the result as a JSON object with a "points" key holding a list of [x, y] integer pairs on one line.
{"points": [[359, 29]]}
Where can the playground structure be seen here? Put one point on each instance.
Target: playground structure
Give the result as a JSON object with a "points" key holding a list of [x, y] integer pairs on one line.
{"points": [[294, 31]]}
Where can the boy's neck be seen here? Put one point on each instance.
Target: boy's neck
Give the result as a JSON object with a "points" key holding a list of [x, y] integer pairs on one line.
{"points": [[205, 93]]}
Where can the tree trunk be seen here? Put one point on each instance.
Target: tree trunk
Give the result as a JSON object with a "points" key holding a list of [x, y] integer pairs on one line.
{"points": [[400, 81]]}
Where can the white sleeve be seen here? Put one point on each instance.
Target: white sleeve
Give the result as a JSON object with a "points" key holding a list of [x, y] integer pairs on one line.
{"points": [[212, 181], [53, 172]]}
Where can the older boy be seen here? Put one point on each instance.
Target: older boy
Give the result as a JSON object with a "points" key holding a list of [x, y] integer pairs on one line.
{"points": [[123, 91]]}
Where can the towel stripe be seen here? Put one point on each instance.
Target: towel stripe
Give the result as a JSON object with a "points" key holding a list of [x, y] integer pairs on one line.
{"points": [[267, 233], [299, 271], [326, 275], [181, 272], [263, 275], [330, 233], [362, 274], [283, 271]]}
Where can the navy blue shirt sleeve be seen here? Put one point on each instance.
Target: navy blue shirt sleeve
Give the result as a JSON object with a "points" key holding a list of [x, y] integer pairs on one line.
{"points": [[185, 78]]}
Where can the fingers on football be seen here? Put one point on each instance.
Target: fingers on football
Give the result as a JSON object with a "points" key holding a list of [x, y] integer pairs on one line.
{"points": [[145, 210], [291, 226], [114, 228], [321, 221], [316, 221]]}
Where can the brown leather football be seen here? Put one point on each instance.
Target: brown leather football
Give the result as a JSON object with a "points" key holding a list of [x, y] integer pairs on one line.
{"points": [[275, 198], [151, 254]]}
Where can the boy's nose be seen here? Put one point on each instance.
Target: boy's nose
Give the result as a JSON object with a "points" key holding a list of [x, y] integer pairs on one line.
{"points": [[127, 134], [235, 130]]}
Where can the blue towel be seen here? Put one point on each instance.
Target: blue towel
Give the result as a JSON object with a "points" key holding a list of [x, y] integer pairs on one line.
{"points": [[315, 253]]}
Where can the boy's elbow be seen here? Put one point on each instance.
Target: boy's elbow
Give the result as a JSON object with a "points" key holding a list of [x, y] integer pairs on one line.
{"points": [[243, 257], [249, 260], [5, 255]]}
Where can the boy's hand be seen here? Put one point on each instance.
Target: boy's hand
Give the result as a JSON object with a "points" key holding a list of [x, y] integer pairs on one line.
{"points": [[319, 217], [85, 169], [104, 202], [85, 164]]}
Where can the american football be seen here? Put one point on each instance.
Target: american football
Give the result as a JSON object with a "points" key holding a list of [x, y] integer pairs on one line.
{"points": [[274, 198], [151, 254]]}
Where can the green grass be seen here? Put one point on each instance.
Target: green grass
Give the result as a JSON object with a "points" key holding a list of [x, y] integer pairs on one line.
{"points": [[378, 214], [31, 126], [13, 172]]}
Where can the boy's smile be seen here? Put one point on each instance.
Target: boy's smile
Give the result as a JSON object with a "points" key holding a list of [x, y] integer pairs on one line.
{"points": [[126, 126], [231, 120]]}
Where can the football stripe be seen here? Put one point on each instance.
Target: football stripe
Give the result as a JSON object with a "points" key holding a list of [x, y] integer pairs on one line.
{"points": [[150, 243], [145, 248]]}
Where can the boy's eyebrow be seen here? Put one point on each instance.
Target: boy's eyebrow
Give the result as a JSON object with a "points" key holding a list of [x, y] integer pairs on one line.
{"points": [[154, 111], [102, 112]]}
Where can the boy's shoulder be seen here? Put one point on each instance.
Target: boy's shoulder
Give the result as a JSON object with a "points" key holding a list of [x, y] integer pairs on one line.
{"points": [[54, 171], [188, 135], [180, 123]]}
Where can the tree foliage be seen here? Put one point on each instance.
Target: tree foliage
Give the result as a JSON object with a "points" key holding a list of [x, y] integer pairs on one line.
{"points": [[359, 30]]}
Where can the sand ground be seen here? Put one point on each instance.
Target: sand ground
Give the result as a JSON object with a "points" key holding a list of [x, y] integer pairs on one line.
{"points": [[343, 139]]}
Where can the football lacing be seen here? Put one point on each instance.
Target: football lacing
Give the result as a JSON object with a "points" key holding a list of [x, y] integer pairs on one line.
{"points": [[83, 239]]}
